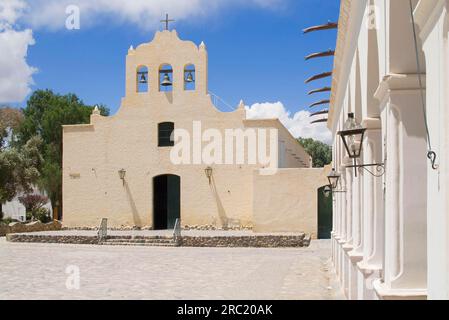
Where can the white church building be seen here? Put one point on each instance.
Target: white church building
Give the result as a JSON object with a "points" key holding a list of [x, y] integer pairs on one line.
{"points": [[390, 236], [130, 169]]}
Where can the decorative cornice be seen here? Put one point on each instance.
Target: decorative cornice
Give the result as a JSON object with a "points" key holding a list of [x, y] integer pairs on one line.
{"points": [[343, 27], [426, 14], [396, 82], [372, 123], [351, 15]]}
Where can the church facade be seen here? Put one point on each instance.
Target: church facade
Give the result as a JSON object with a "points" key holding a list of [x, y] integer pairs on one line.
{"points": [[167, 155]]}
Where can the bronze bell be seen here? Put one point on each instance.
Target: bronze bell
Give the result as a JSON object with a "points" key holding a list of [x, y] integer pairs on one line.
{"points": [[189, 78], [142, 78], [166, 81]]}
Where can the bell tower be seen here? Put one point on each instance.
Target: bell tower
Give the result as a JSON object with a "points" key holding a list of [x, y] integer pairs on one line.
{"points": [[166, 65]]}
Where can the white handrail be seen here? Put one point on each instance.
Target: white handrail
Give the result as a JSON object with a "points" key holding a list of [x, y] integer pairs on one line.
{"points": [[103, 230], [216, 99], [177, 231]]}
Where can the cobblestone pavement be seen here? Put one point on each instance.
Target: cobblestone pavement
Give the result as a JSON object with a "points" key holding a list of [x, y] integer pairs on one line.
{"points": [[42, 271]]}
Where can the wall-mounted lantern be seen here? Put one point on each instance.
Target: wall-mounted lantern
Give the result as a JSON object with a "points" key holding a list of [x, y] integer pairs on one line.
{"points": [[334, 178], [352, 135], [122, 174], [327, 191], [208, 172]]}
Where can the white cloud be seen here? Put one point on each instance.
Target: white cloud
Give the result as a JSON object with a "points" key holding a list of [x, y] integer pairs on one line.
{"points": [[298, 124], [10, 11], [144, 13], [15, 73]]}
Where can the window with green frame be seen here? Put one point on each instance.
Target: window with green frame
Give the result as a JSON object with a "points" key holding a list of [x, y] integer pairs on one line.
{"points": [[165, 131]]}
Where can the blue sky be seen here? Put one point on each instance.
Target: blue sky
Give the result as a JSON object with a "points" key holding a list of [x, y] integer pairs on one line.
{"points": [[256, 51]]}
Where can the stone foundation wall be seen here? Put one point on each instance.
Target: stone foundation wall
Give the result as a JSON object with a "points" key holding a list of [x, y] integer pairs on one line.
{"points": [[242, 241], [3, 229], [17, 237], [18, 227], [269, 241]]}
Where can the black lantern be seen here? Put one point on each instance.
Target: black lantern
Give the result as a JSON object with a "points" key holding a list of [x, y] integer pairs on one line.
{"points": [[327, 191], [122, 173], [208, 172], [334, 178], [352, 136]]}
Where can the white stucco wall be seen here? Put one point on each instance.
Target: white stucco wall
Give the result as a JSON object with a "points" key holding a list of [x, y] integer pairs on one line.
{"points": [[288, 200]]}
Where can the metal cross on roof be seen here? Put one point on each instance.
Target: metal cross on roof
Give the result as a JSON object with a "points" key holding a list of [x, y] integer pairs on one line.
{"points": [[167, 21]]}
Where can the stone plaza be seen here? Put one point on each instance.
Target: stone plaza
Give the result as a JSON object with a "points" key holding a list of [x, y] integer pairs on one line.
{"points": [[43, 271]]}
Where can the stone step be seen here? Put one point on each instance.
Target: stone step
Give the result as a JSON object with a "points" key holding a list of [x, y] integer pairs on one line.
{"points": [[145, 244]]}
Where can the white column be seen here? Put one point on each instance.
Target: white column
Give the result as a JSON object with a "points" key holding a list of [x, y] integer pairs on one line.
{"points": [[347, 224], [405, 271], [373, 223], [436, 48], [357, 215], [373, 216]]}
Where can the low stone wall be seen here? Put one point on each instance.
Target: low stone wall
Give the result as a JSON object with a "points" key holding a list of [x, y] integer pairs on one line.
{"points": [[270, 241], [3, 229], [18, 227], [17, 237]]}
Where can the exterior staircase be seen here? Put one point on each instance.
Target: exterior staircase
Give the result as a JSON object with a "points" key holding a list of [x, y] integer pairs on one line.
{"points": [[144, 241]]}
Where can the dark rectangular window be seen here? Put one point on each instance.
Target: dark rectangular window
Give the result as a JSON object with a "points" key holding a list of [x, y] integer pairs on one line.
{"points": [[165, 131]]}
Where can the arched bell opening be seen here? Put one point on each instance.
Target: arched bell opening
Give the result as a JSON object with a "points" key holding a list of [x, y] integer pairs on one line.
{"points": [[165, 78], [142, 83], [189, 77]]}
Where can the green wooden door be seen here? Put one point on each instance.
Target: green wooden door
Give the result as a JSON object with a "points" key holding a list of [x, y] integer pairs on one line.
{"points": [[173, 200], [324, 214], [166, 201]]}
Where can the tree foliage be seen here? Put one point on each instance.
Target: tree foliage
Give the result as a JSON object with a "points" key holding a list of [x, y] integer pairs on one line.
{"points": [[33, 201], [319, 151], [19, 169], [34, 205], [44, 116], [10, 120]]}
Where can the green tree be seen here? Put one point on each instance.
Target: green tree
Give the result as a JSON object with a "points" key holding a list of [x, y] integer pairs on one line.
{"points": [[44, 116], [319, 151], [10, 120], [19, 169]]}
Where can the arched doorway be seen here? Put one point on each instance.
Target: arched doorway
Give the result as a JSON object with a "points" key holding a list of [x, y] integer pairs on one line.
{"points": [[324, 213], [166, 201]]}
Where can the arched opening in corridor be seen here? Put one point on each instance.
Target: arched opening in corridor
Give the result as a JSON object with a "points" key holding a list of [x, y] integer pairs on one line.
{"points": [[324, 213]]}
